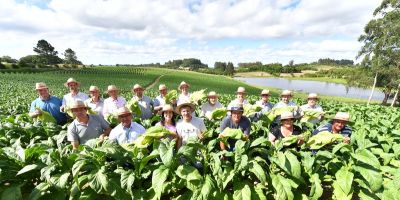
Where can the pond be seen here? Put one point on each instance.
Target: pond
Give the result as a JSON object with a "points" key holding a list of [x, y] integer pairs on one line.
{"points": [[323, 88]]}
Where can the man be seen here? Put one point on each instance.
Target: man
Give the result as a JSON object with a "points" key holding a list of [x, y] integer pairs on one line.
{"points": [[185, 95], [127, 131], [312, 106], [95, 102], [47, 103], [286, 95], [264, 102], [85, 127], [240, 98], [338, 125], [159, 101], [145, 103], [237, 121], [211, 105], [189, 126], [73, 94], [113, 102]]}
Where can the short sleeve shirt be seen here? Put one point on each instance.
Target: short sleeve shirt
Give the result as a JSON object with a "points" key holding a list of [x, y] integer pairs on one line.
{"points": [[96, 107], [188, 130], [51, 105], [84, 132], [121, 134], [111, 105], [183, 98], [69, 98], [244, 125], [276, 131], [266, 107], [346, 131], [146, 106], [159, 101], [207, 109]]}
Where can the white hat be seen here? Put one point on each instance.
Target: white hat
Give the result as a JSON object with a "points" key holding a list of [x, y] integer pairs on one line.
{"points": [[286, 93], [181, 105], [93, 88], [212, 94], [286, 115], [182, 84], [167, 107], [40, 86], [162, 87], [265, 92], [78, 104], [344, 116], [241, 90], [111, 88], [312, 96], [71, 80], [122, 111], [137, 86]]}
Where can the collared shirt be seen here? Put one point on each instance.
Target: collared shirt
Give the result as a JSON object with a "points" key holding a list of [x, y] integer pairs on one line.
{"points": [[183, 98], [282, 104], [84, 132], [244, 125], [266, 106], [188, 130], [51, 105], [69, 98], [96, 106], [236, 102], [121, 134], [159, 101], [346, 131], [314, 108], [111, 105], [146, 106], [207, 109]]}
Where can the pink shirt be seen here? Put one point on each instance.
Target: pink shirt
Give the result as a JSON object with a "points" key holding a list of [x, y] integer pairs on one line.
{"points": [[111, 105]]}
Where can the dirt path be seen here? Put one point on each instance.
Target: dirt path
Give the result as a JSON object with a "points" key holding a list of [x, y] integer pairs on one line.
{"points": [[154, 83]]}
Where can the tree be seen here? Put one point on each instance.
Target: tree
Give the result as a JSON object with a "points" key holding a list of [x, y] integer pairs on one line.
{"points": [[8, 59], [381, 49], [47, 53], [291, 62], [220, 66], [230, 70], [70, 57]]}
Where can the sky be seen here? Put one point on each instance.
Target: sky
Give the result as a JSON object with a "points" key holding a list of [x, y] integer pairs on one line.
{"points": [[156, 31]]}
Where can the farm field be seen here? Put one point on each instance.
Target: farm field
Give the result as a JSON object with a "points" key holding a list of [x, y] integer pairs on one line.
{"points": [[36, 162]]}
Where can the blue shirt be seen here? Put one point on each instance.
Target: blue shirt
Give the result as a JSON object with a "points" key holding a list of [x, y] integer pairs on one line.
{"points": [[121, 134], [346, 131], [51, 105]]}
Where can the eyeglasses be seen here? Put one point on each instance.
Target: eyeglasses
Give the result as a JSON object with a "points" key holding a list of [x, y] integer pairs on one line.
{"points": [[124, 116]]}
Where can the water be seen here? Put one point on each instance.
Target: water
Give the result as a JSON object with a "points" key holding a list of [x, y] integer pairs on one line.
{"points": [[324, 88]]}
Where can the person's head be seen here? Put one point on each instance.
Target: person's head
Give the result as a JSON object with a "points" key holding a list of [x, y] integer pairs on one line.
{"points": [[94, 92], [340, 120], [286, 95], [162, 89], [236, 113], [212, 97], [241, 94], [287, 119], [124, 116], [265, 95], [167, 114], [112, 91], [184, 87], [186, 109], [79, 109], [72, 84], [312, 99], [138, 90], [42, 90]]}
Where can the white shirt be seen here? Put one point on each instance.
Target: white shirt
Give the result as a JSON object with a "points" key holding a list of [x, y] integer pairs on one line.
{"points": [[308, 107], [69, 98], [183, 98], [282, 104], [207, 109], [159, 101], [111, 105], [96, 107], [126, 135], [188, 130], [146, 106]]}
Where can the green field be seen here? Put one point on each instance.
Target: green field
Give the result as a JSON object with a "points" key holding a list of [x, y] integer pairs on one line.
{"points": [[36, 161]]}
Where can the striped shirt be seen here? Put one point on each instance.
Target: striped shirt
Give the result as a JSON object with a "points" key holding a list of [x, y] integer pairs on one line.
{"points": [[346, 131]]}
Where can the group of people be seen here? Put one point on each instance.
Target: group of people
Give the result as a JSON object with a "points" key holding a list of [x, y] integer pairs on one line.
{"points": [[88, 126]]}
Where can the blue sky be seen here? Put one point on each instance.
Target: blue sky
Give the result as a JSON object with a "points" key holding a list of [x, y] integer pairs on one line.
{"points": [[131, 31]]}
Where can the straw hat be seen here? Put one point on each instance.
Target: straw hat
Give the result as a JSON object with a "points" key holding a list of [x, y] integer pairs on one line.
{"points": [[40, 86], [167, 107], [286, 93], [71, 80], [137, 86], [111, 88], [237, 107], [212, 94], [287, 115], [78, 104], [265, 92], [182, 84], [312, 96], [162, 87], [344, 116], [122, 111], [241, 90], [93, 88], [181, 105]]}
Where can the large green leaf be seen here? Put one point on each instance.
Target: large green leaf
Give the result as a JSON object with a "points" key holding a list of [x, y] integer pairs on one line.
{"points": [[191, 175], [29, 168], [241, 191], [293, 165], [343, 184], [372, 177], [367, 157], [39, 191], [100, 181], [158, 179], [316, 187], [282, 187], [258, 171], [166, 151], [12, 193]]}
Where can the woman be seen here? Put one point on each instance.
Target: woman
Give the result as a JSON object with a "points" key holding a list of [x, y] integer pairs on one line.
{"points": [[286, 129], [95, 102], [168, 119], [185, 95]]}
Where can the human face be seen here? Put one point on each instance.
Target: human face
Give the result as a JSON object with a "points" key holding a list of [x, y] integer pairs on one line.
{"points": [[285, 98], [138, 92], [168, 116], [94, 93], [73, 86], [113, 93], [186, 113], [287, 123], [125, 120], [236, 116], [79, 112], [163, 92], [264, 97], [338, 125], [240, 96], [43, 93], [312, 102], [184, 89], [212, 99]]}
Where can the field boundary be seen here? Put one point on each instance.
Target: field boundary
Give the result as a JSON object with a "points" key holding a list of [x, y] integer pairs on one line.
{"points": [[154, 83]]}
